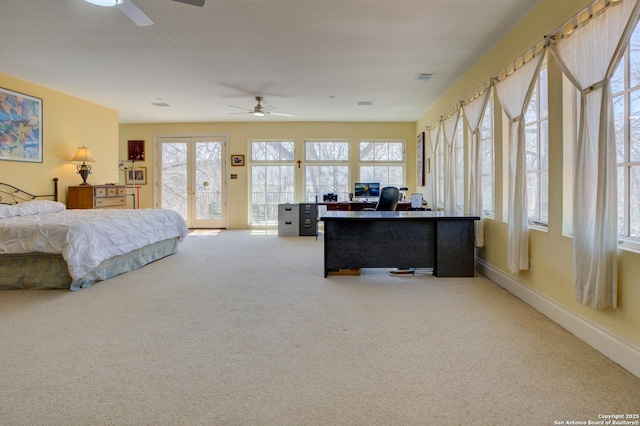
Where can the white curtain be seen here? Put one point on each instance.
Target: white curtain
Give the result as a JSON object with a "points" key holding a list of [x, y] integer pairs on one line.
{"points": [[514, 93], [449, 127], [434, 140], [589, 57], [433, 136], [473, 111]]}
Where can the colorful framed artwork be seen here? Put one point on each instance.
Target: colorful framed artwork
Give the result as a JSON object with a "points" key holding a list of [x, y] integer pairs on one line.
{"points": [[420, 172], [237, 160], [20, 127], [135, 150], [136, 176]]}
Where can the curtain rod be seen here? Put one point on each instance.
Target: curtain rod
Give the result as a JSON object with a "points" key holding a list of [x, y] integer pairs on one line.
{"points": [[592, 10]]}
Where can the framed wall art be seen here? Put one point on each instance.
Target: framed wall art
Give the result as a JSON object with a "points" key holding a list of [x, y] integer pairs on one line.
{"points": [[21, 121], [420, 159], [135, 150], [237, 160], [137, 176]]}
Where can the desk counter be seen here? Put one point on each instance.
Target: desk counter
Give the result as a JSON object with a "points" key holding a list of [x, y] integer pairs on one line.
{"points": [[411, 239]]}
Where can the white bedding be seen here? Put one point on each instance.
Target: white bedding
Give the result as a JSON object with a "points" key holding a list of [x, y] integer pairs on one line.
{"points": [[85, 238]]}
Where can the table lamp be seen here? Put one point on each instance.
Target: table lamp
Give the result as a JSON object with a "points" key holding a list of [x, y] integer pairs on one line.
{"points": [[84, 170]]}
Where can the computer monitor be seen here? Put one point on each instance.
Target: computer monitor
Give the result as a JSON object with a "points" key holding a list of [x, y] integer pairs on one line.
{"points": [[367, 190]]}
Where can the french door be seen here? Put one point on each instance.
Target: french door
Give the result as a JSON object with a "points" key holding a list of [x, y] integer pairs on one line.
{"points": [[191, 179]]}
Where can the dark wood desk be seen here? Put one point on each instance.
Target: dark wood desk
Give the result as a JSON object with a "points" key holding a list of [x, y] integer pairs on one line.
{"points": [[405, 239], [356, 206]]}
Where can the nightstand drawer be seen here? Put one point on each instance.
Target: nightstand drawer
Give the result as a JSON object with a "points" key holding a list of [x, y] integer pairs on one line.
{"points": [[111, 202]]}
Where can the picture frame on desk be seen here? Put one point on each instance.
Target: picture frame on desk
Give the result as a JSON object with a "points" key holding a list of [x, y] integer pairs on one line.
{"points": [[139, 173]]}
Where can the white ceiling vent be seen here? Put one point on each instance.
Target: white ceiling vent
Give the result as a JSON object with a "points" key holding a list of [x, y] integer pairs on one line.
{"points": [[423, 76], [160, 104], [365, 103]]}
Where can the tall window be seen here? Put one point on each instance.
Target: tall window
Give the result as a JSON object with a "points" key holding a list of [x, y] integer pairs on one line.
{"points": [[382, 161], [327, 169], [459, 172], [625, 87], [537, 151], [488, 158], [272, 179]]}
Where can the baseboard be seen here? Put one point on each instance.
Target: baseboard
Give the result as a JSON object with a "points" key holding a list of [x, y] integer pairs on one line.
{"points": [[619, 351]]}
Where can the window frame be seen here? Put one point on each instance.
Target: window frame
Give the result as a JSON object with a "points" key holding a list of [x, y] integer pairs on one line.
{"points": [[539, 171], [310, 163], [270, 209], [402, 163]]}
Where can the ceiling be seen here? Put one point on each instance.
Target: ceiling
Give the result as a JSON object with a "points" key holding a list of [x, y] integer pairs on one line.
{"points": [[316, 59]]}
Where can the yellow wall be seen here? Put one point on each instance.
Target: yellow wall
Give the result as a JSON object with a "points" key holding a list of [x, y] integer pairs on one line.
{"points": [[68, 123], [551, 252], [239, 135]]}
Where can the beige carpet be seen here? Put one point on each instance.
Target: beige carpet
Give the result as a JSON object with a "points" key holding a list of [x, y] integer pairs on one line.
{"points": [[241, 328]]}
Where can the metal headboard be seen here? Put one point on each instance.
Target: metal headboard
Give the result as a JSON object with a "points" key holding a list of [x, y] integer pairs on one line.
{"points": [[9, 194]]}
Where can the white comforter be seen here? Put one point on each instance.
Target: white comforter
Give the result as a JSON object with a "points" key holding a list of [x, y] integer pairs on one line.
{"points": [[85, 238]]}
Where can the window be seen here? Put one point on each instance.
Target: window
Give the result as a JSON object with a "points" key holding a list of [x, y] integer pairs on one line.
{"points": [[537, 151], [459, 164], [382, 161], [272, 179], [625, 87], [488, 157], [327, 169]]}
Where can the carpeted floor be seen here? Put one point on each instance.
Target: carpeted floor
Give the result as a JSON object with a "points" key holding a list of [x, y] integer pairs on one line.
{"points": [[241, 328]]}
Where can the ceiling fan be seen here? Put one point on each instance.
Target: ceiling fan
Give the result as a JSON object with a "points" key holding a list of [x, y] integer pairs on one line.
{"points": [[133, 12], [261, 111]]}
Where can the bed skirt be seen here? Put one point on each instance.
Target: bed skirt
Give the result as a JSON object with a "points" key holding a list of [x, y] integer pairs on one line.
{"points": [[50, 271]]}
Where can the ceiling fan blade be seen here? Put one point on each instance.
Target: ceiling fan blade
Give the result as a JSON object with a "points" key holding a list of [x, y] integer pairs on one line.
{"points": [[246, 109], [136, 15], [199, 3], [281, 114]]}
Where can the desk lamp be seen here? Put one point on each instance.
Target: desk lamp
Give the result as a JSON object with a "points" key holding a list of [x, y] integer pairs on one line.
{"points": [[84, 170]]}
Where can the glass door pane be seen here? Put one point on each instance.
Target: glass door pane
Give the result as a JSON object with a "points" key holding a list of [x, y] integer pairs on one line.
{"points": [[191, 179], [209, 201]]}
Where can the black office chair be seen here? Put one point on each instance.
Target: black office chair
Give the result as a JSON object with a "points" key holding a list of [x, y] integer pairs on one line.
{"points": [[388, 200]]}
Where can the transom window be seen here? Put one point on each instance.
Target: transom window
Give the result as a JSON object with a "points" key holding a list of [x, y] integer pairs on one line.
{"points": [[383, 162]]}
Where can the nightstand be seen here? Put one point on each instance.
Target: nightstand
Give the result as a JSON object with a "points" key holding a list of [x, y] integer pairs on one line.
{"points": [[97, 197]]}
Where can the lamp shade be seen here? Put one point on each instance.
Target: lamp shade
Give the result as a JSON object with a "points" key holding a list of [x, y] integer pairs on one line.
{"points": [[83, 154], [105, 3]]}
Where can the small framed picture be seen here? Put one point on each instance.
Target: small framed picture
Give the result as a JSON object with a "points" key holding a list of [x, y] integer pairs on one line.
{"points": [[136, 176], [135, 150], [237, 160]]}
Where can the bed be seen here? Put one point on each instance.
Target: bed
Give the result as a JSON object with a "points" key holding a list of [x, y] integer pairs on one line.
{"points": [[45, 246]]}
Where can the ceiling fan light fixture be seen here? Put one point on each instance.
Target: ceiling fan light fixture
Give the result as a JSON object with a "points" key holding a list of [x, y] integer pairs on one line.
{"points": [[258, 114], [105, 3]]}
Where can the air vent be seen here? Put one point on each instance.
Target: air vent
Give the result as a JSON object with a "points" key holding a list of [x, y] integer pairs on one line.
{"points": [[160, 104], [365, 103], [423, 76]]}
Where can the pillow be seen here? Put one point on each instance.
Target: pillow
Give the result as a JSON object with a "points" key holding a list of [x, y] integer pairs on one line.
{"points": [[41, 207], [10, 210]]}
